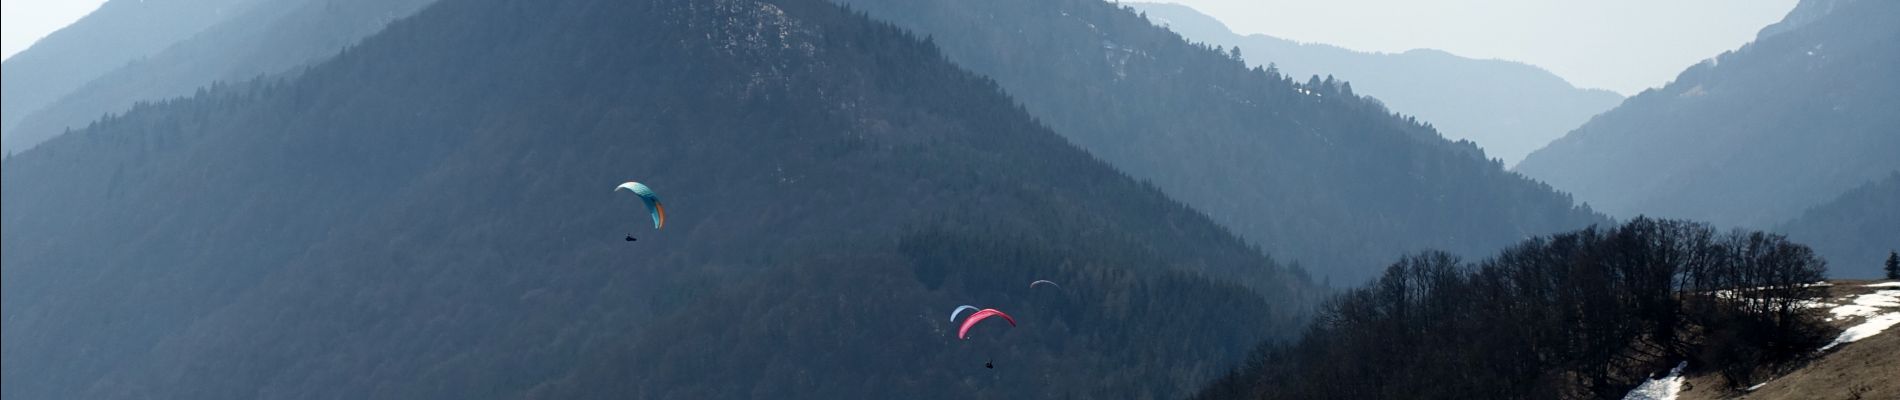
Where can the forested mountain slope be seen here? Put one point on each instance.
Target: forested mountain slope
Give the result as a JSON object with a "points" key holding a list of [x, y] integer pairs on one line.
{"points": [[1752, 137], [1508, 108], [1856, 231], [1308, 171], [429, 215], [120, 31], [274, 37]]}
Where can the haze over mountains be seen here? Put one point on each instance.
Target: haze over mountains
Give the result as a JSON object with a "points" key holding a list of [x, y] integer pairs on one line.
{"points": [[1508, 108], [86, 70], [429, 215], [1751, 137], [1855, 231], [411, 200], [1343, 223], [1309, 171], [117, 33]]}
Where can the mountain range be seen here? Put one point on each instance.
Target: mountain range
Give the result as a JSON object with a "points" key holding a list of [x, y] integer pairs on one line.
{"points": [[1751, 137], [118, 32], [410, 199], [1309, 171], [1508, 108], [429, 215], [99, 66]]}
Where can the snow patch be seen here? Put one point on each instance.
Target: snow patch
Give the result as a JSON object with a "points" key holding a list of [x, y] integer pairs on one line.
{"points": [[1884, 284], [1664, 388], [1854, 310], [1884, 298], [1872, 327], [1730, 293]]}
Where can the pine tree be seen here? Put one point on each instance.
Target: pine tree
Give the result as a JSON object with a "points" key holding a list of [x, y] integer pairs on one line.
{"points": [[1893, 265]]}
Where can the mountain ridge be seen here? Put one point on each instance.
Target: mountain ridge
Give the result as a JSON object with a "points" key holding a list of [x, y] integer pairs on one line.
{"points": [[428, 229], [118, 32], [1311, 172], [1802, 110], [1510, 108], [271, 38]]}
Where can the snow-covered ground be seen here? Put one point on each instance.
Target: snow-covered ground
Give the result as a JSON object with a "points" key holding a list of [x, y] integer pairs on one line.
{"points": [[1883, 298], [1873, 326], [1730, 293], [1664, 388], [1863, 306], [1878, 307], [1876, 312]]}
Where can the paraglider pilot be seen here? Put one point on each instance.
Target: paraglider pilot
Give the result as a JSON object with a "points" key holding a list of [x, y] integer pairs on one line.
{"points": [[652, 200]]}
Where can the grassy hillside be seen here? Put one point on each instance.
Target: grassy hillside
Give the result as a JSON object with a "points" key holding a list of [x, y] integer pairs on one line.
{"points": [[1858, 370]]}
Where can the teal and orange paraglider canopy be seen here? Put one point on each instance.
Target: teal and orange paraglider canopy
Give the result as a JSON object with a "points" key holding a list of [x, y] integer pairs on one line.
{"points": [[652, 200]]}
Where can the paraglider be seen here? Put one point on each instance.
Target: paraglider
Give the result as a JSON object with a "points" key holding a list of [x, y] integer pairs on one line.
{"points": [[1032, 285], [979, 316], [652, 200], [953, 314]]}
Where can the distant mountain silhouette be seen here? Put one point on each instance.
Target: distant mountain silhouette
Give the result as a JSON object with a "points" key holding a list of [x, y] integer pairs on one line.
{"points": [[119, 32], [266, 38], [1307, 170], [1751, 137], [1855, 231], [429, 214], [1508, 108]]}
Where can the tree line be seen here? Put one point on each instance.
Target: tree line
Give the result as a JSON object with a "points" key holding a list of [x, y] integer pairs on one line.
{"points": [[1584, 314]]}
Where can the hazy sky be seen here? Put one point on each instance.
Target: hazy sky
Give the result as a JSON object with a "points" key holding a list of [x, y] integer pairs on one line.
{"points": [[24, 21], [1621, 45]]}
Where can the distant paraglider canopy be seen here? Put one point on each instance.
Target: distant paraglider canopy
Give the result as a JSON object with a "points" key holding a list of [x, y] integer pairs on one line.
{"points": [[1038, 282], [979, 316], [652, 200], [953, 314]]}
